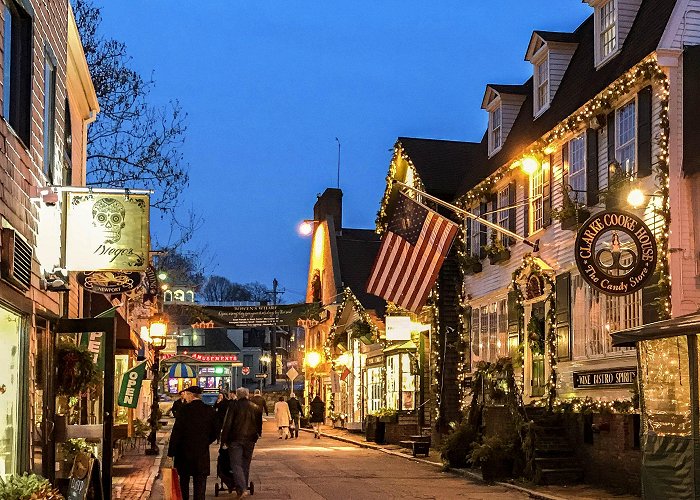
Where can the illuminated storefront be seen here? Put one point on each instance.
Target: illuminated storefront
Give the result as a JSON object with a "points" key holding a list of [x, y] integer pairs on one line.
{"points": [[10, 360], [401, 374], [212, 372]]}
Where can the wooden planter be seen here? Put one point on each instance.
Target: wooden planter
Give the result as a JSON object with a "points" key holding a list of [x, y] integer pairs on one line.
{"points": [[389, 419], [571, 223], [501, 256]]}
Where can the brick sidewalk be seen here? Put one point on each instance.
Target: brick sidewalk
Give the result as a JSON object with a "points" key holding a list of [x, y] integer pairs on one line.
{"points": [[135, 472], [554, 492]]}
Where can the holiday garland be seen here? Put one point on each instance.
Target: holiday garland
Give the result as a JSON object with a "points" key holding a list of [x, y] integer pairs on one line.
{"points": [[366, 322]]}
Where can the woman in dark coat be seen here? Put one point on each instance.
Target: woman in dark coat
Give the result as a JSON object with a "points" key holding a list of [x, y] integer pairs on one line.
{"points": [[194, 430], [317, 412], [221, 405]]}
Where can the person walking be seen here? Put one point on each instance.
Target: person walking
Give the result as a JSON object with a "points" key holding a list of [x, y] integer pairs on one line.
{"points": [[295, 412], [179, 403], [282, 417], [221, 405], [317, 412], [241, 430], [259, 400], [194, 430]]}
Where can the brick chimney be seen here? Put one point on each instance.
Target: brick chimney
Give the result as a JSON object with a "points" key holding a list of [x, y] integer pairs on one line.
{"points": [[330, 204]]}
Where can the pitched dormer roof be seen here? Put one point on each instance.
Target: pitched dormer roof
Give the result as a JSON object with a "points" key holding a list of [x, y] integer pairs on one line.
{"points": [[540, 37], [496, 89]]}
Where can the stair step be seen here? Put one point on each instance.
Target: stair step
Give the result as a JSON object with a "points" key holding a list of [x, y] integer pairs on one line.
{"points": [[557, 462], [561, 476]]}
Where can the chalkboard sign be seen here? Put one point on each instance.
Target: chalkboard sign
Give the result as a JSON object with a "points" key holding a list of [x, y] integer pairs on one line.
{"points": [[85, 478]]}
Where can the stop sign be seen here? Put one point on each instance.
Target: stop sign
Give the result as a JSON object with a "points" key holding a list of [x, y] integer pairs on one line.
{"points": [[245, 370]]}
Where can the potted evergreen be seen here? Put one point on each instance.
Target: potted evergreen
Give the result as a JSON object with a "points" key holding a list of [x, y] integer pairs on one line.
{"points": [[496, 250], [28, 487], [495, 456], [387, 416], [571, 214]]}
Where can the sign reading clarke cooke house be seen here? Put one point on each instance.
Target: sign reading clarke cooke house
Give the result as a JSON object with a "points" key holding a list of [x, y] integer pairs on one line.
{"points": [[107, 232], [615, 252]]}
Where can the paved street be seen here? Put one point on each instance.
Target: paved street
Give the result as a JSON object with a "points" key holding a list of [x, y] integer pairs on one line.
{"points": [[308, 468]]}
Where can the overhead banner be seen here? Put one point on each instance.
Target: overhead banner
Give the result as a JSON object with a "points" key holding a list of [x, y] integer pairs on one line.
{"points": [[107, 232], [615, 252], [131, 386]]}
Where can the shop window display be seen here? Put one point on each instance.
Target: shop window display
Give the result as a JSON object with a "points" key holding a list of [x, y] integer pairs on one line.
{"points": [[9, 391]]}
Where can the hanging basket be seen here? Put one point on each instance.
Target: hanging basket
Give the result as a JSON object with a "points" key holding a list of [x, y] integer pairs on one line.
{"points": [[75, 370]]}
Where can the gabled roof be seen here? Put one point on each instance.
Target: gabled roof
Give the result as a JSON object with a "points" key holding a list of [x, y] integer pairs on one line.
{"points": [[357, 249], [540, 37], [443, 165], [582, 81]]}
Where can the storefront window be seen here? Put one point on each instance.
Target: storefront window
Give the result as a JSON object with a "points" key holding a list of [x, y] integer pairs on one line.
{"points": [[9, 397], [392, 382], [374, 389], [400, 382], [408, 383], [121, 365]]}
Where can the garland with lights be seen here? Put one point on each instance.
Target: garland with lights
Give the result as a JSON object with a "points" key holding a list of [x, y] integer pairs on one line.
{"points": [[348, 297]]}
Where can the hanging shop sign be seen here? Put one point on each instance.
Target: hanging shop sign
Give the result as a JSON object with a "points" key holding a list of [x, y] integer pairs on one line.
{"points": [[107, 232], [398, 328], [108, 282], [150, 284], [131, 386], [622, 376], [615, 252]]}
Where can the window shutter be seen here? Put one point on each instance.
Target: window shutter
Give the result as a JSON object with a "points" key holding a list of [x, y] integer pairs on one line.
{"points": [[547, 193], [650, 294], [592, 165], [467, 358], [511, 211], [611, 141], [483, 241], [526, 207], [644, 132], [565, 167], [513, 317], [563, 315]]}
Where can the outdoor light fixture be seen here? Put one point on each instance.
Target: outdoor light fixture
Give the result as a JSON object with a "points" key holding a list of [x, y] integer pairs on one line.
{"points": [[145, 336], [158, 330], [162, 275], [344, 359], [529, 165], [312, 359], [548, 150], [306, 227], [636, 198], [265, 358]]}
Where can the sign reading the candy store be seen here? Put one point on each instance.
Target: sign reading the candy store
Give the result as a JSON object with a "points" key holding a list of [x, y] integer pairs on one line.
{"points": [[615, 252], [107, 232]]}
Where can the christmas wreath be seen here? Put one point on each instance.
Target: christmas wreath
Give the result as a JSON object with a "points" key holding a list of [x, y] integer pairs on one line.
{"points": [[76, 370], [535, 335]]}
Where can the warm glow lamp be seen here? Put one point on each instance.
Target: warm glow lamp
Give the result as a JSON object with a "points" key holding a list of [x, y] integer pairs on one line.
{"points": [[312, 359], [144, 334], [529, 164], [636, 198], [158, 330], [306, 228]]}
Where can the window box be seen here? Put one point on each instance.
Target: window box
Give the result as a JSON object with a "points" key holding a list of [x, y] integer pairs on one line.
{"points": [[572, 221], [473, 268], [501, 256], [389, 419]]}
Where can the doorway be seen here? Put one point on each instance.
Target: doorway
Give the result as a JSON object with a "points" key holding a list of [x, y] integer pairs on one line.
{"points": [[538, 378], [10, 387]]}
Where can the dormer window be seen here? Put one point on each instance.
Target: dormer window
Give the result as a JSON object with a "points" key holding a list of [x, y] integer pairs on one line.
{"points": [[542, 84], [606, 30], [495, 125]]}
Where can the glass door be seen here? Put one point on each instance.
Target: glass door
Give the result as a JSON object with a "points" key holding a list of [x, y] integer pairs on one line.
{"points": [[10, 361]]}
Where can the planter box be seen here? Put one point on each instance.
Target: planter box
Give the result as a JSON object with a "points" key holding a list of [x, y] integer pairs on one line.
{"points": [[572, 223], [473, 269], [375, 430], [499, 257], [389, 419]]}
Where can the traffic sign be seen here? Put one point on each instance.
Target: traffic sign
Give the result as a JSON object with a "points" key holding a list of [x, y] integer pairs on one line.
{"points": [[261, 375], [292, 374], [245, 370]]}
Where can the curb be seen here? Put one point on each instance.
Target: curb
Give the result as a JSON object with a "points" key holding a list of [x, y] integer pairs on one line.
{"points": [[459, 472]]}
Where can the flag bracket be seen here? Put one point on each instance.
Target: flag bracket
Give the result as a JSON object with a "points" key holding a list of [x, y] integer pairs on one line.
{"points": [[460, 211]]}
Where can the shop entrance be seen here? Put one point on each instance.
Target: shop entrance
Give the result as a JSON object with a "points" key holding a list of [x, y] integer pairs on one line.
{"points": [[537, 322], [10, 361]]}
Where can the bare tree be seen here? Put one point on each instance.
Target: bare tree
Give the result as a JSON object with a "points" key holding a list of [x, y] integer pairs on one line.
{"points": [[132, 143]]}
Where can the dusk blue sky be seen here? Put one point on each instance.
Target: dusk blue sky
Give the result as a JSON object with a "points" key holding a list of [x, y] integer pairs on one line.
{"points": [[268, 85]]}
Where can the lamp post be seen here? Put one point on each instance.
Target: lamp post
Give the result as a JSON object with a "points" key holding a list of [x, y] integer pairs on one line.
{"points": [[157, 330]]}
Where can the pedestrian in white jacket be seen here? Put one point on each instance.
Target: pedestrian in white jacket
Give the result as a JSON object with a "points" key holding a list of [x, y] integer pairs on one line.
{"points": [[282, 417]]}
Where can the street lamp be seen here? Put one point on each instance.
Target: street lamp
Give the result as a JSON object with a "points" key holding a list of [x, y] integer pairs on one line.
{"points": [[312, 359], [157, 331]]}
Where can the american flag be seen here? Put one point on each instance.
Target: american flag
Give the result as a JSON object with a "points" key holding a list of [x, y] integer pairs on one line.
{"points": [[412, 251]]}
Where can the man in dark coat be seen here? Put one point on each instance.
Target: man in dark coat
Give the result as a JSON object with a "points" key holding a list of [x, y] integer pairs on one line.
{"points": [[295, 412], [241, 430], [317, 412], [194, 430], [179, 403], [260, 401]]}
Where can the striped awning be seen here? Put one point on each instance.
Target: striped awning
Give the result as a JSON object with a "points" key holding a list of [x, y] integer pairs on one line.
{"points": [[181, 370]]}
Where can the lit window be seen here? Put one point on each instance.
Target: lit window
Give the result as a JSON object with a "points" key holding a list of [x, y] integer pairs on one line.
{"points": [[495, 122], [577, 169], [608, 35], [503, 216], [626, 137], [536, 200], [542, 83]]}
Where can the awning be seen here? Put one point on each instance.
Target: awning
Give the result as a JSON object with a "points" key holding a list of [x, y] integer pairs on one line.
{"points": [[181, 370], [674, 327]]}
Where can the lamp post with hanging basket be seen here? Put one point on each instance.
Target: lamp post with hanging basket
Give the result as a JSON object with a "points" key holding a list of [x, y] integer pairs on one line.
{"points": [[157, 330]]}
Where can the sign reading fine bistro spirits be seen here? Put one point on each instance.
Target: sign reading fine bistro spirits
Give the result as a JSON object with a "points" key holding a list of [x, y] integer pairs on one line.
{"points": [[107, 232], [615, 252], [611, 377]]}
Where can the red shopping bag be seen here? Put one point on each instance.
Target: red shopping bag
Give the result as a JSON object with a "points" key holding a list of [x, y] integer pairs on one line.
{"points": [[171, 483]]}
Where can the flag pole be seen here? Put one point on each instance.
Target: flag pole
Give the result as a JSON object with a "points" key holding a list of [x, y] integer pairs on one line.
{"points": [[535, 246]]}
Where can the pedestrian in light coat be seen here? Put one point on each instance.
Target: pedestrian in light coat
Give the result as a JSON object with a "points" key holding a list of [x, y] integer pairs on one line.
{"points": [[295, 412], [194, 430], [241, 430], [282, 417], [317, 410]]}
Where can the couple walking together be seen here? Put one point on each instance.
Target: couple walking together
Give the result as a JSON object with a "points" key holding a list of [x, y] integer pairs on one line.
{"points": [[196, 427]]}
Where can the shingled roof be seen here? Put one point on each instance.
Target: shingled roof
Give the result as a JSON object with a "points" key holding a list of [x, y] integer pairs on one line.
{"points": [[357, 249], [581, 81], [443, 165]]}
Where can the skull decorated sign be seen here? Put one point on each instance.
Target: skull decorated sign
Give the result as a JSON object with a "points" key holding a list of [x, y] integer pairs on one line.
{"points": [[107, 232], [615, 252]]}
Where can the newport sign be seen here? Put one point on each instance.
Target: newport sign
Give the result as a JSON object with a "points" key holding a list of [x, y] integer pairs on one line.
{"points": [[615, 252]]}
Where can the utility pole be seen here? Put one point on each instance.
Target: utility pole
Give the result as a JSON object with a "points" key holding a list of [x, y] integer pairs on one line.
{"points": [[273, 335]]}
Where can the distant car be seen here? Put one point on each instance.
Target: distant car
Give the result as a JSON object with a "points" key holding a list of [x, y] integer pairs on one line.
{"points": [[210, 398]]}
